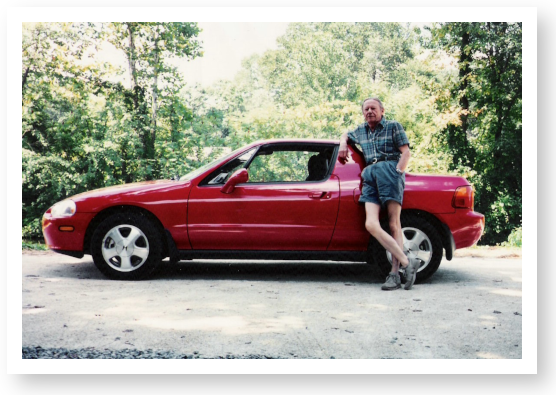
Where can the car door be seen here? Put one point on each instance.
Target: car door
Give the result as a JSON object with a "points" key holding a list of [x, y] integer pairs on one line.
{"points": [[288, 204]]}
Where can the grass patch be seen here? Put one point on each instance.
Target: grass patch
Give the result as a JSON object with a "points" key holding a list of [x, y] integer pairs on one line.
{"points": [[33, 245]]}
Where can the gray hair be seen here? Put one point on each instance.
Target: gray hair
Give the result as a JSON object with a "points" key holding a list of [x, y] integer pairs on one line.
{"points": [[372, 98]]}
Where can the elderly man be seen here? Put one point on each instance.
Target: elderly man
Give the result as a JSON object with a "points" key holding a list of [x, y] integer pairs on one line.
{"points": [[386, 149]]}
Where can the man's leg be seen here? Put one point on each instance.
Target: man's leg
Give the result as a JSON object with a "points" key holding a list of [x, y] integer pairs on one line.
{"points": [[394, 213], [394, 221], [372, 224]]}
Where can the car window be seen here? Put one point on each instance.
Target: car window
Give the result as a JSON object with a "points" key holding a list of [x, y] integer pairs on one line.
{"points": [[280, 166], [221, 175], [194, 173], [290, 164]]}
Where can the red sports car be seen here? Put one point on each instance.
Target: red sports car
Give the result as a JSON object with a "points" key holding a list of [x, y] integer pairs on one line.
{"points": [[273, 199]]}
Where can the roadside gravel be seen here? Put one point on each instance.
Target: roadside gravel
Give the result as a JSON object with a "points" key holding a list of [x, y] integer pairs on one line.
{"points": [[91, 353]]}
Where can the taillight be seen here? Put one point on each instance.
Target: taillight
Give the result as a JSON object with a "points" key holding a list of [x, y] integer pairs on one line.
{"points": [[464, 197]]}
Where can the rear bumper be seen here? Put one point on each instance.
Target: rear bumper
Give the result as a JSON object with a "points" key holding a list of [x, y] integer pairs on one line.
{"points": [[466, 226], [69, 242]]}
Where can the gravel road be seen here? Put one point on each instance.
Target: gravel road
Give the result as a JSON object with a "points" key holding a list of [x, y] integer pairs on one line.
{"points": [[209, 309]]}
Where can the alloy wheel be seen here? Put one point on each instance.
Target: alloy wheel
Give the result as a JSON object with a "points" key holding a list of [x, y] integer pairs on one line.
{"points": [[125, 248], [416, 244]]}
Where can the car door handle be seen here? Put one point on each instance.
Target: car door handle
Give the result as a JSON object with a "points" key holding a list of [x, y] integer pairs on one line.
{"points": [[320, 195]]}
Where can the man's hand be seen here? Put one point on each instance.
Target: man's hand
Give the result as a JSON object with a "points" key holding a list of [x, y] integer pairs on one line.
{"points": [[343, 151]]}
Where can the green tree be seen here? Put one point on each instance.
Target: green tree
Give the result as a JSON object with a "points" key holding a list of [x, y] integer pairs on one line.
{"points": [[312, 85], [56, 119], [148, 47], [320, 62], [487, 133], [82, 132]]}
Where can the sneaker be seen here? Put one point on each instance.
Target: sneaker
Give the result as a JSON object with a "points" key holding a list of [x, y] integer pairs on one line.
{"points": [[392, 282], [411, 272]]}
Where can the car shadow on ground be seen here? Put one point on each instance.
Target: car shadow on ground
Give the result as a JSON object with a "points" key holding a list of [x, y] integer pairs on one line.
{"points": [[295, 271], [269, 271], [317, 271]]}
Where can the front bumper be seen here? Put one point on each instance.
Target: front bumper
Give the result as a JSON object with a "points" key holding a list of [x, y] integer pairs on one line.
{"points": [[66, 235]]}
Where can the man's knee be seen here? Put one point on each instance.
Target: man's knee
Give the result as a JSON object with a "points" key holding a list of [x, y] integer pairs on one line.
{"points": [[395, 225], [372, 227]]}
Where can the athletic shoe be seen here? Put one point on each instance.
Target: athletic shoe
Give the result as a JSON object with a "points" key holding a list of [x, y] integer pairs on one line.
{"points": [[392, 282], [411, 272]]}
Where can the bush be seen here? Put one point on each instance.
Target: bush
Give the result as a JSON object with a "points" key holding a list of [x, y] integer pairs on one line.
{"points": [[514, 239]]}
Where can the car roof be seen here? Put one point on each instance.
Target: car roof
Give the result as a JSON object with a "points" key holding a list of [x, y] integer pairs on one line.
{"points": [[295, 140]]}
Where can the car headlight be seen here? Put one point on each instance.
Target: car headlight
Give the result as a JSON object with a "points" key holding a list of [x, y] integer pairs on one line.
{"points": [[65, 208]]}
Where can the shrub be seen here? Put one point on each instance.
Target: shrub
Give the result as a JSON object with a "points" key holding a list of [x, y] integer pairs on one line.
{"points": [[514, 239]]}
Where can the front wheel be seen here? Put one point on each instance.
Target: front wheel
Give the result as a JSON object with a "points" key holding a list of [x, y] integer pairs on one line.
{"points": [[126, 246], [421, 240]]}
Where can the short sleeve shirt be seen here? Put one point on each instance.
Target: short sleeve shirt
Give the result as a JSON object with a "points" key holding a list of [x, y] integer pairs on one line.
{"points": [[385, 140]]}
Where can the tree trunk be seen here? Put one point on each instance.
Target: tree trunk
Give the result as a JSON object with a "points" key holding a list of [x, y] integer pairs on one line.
{"points": [[465, 60], [25, 78], [131, 56], [155, 94], [464, 72]]}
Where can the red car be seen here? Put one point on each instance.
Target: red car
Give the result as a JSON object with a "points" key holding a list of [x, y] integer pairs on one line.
{"points": [[273, 199]]}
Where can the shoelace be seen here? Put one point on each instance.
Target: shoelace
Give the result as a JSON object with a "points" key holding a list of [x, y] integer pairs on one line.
{"points": [[393, 276]]}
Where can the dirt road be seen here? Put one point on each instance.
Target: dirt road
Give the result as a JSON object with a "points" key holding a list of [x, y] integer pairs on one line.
{"points": [[471, 308]]}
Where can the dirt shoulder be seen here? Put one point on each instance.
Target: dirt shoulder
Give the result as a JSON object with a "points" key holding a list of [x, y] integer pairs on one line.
{"points": [[26, 251], [489, 252]]}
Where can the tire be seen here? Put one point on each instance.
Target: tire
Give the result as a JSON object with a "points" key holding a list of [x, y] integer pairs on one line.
{"points": [[127, 246], [421, 238]]}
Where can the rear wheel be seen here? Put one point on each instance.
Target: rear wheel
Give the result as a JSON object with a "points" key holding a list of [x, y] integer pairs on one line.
{"points": [[421, 240], [126, 246]]}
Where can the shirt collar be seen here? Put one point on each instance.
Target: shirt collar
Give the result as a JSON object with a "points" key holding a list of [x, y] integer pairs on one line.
{"points": [[381, 123]]}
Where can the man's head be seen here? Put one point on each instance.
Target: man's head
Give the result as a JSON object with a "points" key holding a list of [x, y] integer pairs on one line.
{"points": [[373, 110]]}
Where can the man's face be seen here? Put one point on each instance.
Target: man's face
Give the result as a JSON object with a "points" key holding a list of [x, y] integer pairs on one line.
{"points": [[372, 111]]}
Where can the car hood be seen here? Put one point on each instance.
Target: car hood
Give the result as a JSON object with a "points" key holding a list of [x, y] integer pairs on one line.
{"points": [[138, 192], [135, 187]]}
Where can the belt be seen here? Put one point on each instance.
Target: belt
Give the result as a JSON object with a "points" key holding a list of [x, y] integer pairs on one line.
{"points": [[384, 158]]}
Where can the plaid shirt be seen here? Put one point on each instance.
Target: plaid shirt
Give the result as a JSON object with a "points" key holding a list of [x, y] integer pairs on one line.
{"points": [[385, 140]]}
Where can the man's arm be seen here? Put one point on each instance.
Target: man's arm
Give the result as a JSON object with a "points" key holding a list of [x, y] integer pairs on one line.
{"points": [[404, 160], [343, 152]]}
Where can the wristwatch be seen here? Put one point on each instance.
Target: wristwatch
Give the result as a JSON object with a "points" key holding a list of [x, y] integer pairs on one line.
{"points": [[399, 171]]}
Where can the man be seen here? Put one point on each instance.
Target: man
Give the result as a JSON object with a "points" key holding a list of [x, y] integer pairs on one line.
{"points": [[386, 149]]}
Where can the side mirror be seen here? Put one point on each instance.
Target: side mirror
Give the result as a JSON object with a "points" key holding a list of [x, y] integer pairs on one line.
{"points": [[240, 176]]}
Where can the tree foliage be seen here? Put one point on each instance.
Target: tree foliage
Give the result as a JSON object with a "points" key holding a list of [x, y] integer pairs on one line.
{"points": [[455, 87], [148, 46], [486, 135], [81, 131]]}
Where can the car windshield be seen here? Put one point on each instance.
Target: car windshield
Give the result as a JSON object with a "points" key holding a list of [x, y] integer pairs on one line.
{"points": [[192, 174]]}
